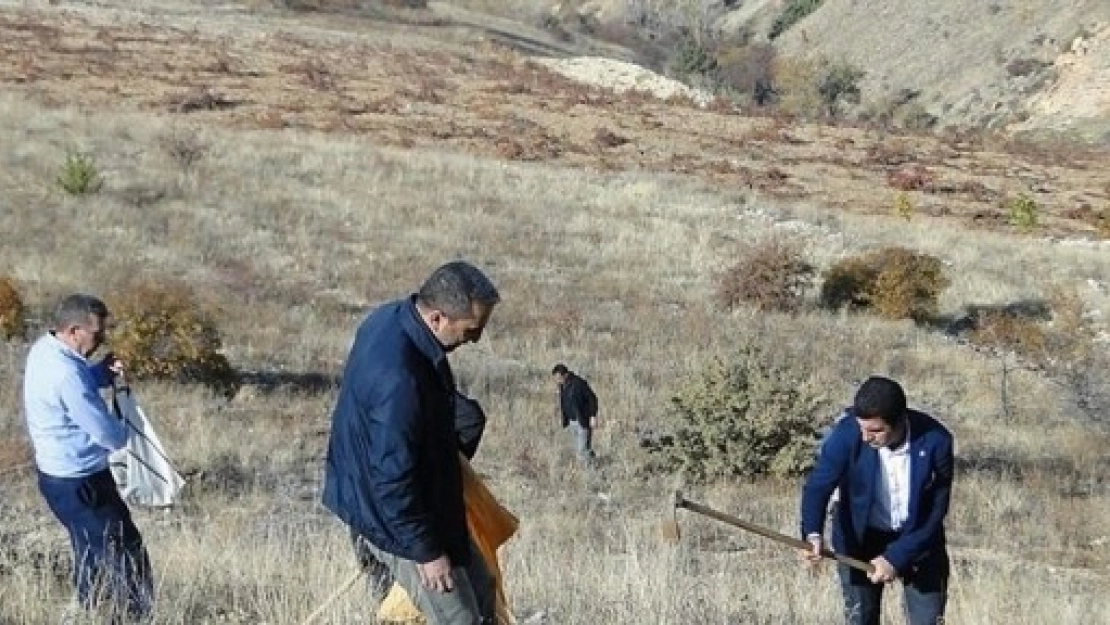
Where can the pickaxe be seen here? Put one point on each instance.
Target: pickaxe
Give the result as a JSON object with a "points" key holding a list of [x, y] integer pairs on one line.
{"points": [[682, 502]]}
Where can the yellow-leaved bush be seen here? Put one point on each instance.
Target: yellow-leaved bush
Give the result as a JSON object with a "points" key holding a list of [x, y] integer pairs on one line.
{"points": [[11, 310], [161, 333]]}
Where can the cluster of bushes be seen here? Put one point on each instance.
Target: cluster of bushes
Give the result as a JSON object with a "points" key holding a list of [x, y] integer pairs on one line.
{"points": [[755, 412], [893, 282], [680, 40], [752, 73]]}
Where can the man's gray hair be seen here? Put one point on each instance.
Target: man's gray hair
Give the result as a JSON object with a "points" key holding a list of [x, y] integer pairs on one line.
{"points": [[454, 288], [75, 310]]}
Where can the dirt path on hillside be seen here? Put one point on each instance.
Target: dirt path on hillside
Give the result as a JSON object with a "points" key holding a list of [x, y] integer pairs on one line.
{"points": [[435, 85]]}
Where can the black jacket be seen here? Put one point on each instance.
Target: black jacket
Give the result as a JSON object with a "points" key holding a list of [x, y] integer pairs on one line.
{"points": [[393, 471], [577, 401]]}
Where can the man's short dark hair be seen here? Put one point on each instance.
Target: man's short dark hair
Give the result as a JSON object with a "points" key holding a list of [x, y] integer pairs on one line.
{"points": [[75, 310], [560, 369], [454, 289], [881, 398]]}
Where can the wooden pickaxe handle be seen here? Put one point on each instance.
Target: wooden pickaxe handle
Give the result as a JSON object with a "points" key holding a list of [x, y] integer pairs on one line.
{"points": [[334, 596], [681, 502]]}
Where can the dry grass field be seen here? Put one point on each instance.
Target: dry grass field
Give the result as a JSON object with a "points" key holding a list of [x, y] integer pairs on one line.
{"points": [[295, 168]]}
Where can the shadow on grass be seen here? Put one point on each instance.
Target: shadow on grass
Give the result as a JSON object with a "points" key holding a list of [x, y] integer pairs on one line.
{"points": [[310, 382], [1068, 476], [960, 325]]}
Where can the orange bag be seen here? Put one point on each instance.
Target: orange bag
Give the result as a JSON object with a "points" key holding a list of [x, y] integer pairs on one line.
{"points": [[491, 525]]}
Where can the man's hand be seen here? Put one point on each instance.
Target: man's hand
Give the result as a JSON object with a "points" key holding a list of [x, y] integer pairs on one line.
{"points": [[116, 368], [884, 573], [436, 575], [593, 423], [812, 556]]}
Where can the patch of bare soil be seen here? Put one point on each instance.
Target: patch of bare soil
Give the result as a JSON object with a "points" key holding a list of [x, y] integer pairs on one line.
{"points": [[430, 87], [1082, 87]]}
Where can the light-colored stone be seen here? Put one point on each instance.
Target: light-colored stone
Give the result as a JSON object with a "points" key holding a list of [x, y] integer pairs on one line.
{"points": [[622, 76]]}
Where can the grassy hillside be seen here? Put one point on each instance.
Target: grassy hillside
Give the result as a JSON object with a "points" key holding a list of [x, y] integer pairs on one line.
{"points": [[296, 168]]}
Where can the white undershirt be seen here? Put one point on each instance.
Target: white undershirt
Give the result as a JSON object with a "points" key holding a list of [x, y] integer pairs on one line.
{"points": [[891, 506]]}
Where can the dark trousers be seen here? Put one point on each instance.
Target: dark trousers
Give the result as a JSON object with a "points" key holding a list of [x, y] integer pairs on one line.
{"points": [[924, 589], [111, 567]]}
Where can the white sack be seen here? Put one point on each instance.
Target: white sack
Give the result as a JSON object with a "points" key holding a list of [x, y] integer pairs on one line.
{"points": [[142, 470]]}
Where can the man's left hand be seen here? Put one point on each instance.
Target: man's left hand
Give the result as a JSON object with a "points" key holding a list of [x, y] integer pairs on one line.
{"points": [[116, 368], [884, 573]]}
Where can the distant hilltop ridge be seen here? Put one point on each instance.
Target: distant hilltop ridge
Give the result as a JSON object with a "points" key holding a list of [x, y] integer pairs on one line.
{"points": [[1023, 66]]}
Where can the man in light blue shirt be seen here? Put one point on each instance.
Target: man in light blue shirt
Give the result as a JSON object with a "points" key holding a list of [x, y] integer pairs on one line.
{"points": [[73, 432]]}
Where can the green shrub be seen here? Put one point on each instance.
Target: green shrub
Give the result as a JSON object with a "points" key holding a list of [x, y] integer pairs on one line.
{"points": [[691, 59], [745, 417], [795, 87], [80, 175], [792, 13], [903, 206], [162, 334], [11, 310], [1022, 211], [895, 282], [839, 83], [770, 276]]}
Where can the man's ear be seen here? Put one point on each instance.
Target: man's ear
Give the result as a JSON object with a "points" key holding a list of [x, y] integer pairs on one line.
{"points": [[436, 319]]}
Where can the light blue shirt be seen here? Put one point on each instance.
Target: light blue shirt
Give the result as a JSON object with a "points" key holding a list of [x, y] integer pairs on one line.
{"points": [[71, 428]]}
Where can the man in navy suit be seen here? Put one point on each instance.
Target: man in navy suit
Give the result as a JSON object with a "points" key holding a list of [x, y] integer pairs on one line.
{"points": [[893, 469]]}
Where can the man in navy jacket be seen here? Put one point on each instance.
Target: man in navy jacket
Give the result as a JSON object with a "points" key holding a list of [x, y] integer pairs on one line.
{"points": [[893, 468], [393, 472]]}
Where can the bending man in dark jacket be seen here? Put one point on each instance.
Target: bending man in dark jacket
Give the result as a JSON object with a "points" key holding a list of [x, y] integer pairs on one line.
{"points": [[893, 468], [393, 472], [470, 424], [578, 405]]}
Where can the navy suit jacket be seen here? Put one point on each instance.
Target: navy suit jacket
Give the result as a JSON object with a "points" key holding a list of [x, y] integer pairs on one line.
{"points": [[847, 463], [393, 471]]}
